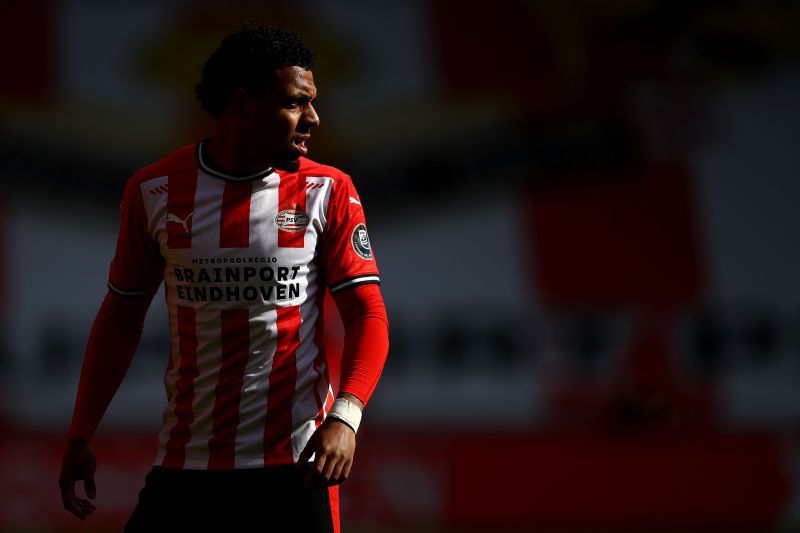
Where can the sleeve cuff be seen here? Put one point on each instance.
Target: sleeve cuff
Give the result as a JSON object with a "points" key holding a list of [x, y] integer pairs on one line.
{"points": [[124, 292], [353, 282]]}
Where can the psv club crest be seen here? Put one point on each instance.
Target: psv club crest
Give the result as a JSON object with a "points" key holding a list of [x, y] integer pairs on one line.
{"points": [[360, 240], [292, 220]]}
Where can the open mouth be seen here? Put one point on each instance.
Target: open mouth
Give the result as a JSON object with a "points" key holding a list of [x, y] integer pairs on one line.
{"points": [[300, 144]]}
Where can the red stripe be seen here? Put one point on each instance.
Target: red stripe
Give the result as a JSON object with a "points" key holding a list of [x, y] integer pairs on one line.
{"points": [[333, 499], [181, 187], [235, 325], [278, 426], [184, 386], [235, 216], [292, 196]]}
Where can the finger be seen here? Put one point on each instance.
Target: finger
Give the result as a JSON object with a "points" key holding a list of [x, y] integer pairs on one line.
{"points": [[305, 455], [87, 507], [73, 507], [336, 473], [84, 503], [319, 463], [89, 487], [68, 497], [314, 476], [330, 466], [346, 470]]}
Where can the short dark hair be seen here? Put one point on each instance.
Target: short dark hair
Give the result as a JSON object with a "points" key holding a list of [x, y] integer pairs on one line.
{"points": [[246, 59]]}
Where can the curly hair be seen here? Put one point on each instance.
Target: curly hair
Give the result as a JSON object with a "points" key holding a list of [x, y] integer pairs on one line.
{"points": [[246, 59]]}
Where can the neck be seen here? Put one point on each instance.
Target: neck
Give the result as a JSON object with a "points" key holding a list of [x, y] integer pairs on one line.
{"points": [[228, 153]]}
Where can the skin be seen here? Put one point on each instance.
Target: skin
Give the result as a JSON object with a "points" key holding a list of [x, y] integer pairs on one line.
{"points": [[78, 464], [267, 128], [334, 444], [259, 129]]}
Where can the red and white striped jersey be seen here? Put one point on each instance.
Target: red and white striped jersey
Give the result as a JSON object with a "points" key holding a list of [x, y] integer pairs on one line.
{"points": [[245, 262]]}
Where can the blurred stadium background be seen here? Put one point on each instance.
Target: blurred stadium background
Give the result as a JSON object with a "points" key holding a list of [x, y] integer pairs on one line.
{"points": [[586, 218]]}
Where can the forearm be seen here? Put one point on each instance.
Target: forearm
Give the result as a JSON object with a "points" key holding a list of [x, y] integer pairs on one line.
{"points": [[366, 341], [112, 342]]}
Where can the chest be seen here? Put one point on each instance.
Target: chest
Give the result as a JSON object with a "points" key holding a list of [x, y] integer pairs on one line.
{"points": [[275, 220]]}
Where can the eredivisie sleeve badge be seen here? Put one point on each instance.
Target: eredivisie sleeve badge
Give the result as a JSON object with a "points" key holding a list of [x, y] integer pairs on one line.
{"points": [[360, 241]]}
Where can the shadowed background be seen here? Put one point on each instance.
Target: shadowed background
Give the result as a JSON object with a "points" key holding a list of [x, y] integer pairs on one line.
{"points": [[585, 218]]}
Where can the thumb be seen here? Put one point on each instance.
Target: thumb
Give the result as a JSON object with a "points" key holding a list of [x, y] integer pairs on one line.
{"points": [[91, 489]]}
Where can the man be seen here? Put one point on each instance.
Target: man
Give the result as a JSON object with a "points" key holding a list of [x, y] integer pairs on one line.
{"points": [[246, 233]]}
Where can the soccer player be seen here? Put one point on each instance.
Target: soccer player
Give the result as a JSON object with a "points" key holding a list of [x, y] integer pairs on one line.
{"points": [[246, 233]]}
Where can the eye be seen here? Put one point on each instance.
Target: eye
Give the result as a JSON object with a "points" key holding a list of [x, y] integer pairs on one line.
{"points": [[294, 103]]}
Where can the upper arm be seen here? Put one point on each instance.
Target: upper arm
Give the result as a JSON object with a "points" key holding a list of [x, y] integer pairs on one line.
{"points": [[137, 268], [347, 252]]}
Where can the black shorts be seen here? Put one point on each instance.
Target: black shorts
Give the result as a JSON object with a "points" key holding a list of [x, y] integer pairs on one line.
{"points": [[257, 499]]}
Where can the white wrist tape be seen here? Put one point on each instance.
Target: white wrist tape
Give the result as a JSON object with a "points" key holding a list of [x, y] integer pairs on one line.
{"points": [[347, 412]]}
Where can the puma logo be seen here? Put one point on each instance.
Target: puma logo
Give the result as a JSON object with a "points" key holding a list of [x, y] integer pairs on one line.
{"points": [[175, 218], [354, 201]]}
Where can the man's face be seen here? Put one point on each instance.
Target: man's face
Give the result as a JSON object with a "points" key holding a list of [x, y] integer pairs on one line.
{"points": [[277, 123]]}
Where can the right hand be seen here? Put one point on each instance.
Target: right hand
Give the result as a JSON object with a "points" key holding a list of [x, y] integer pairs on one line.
{"points": [[78, 464]]}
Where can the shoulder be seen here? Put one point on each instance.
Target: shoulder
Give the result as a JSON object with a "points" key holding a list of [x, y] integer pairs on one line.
{"points": [[182, 159], [309, 167]]}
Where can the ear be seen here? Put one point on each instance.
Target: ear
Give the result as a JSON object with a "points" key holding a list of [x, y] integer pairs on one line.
{"points": [[237, 102]]}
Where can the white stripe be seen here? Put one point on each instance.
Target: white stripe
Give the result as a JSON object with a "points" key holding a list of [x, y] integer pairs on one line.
{"points": [[263, 208], [354, 280], [205, 236], [263, 336], [209, 362], [207, 213], [170, 380], [304, 405], [255, 385]]}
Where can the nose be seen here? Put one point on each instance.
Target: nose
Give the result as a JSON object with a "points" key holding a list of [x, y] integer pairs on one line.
{"points": [[310, 116]]}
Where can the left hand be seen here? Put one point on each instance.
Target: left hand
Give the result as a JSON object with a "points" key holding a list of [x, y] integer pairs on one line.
{"points": [[334, 444]]}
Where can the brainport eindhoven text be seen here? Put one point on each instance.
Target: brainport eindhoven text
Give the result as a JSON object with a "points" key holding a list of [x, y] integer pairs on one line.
{"points": [[237, 283]]}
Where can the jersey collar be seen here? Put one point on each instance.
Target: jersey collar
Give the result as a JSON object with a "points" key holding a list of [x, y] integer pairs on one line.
{"points": [[201, 162]]}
